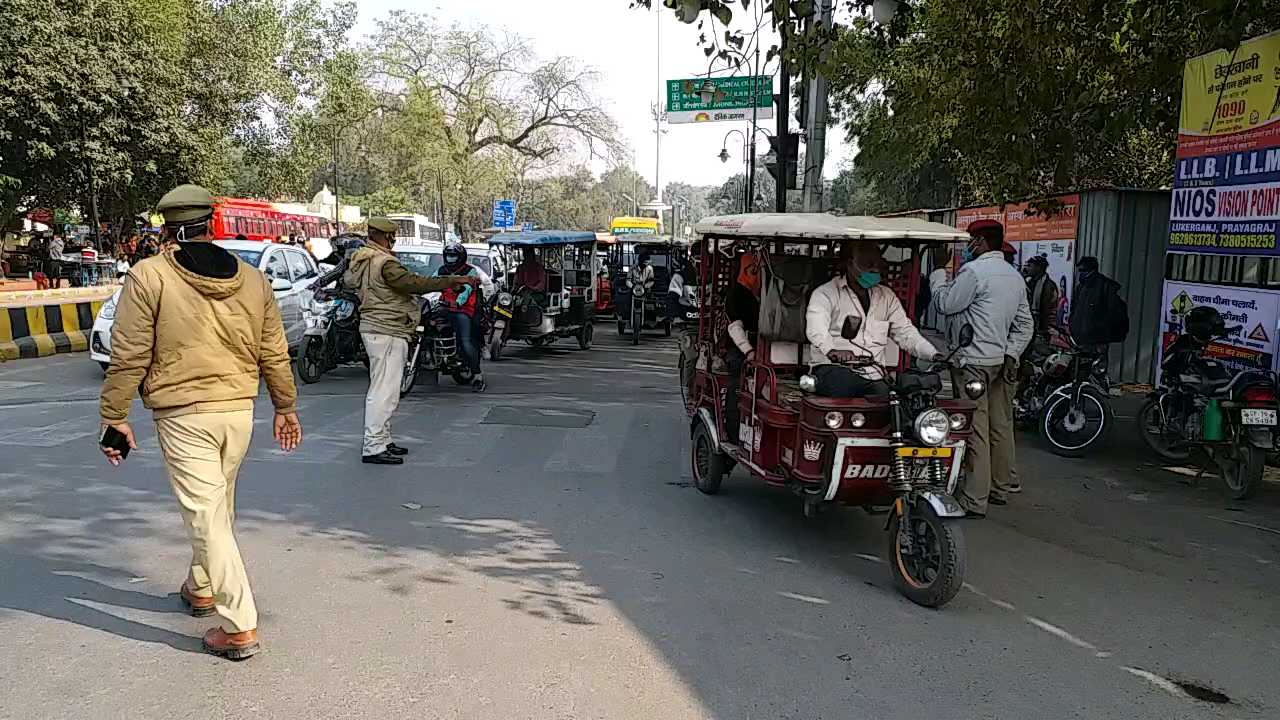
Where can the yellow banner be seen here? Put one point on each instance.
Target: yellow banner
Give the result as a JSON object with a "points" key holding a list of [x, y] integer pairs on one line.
{"points": [[1225, 93]]}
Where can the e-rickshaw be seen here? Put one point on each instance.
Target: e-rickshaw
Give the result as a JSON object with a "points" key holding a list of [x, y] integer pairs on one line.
{"points": [[902, 453], [559, 302], [653, 312], [604, 288]]}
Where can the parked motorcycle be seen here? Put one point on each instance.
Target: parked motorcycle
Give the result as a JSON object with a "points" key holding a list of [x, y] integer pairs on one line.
{"points": [[1228, 415], [434, 349], [332, 336], [1068, 399]]}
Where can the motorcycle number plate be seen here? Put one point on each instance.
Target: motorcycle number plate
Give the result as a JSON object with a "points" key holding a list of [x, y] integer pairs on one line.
{"points": [[908, 452], [1255, 416], [316, 322]]}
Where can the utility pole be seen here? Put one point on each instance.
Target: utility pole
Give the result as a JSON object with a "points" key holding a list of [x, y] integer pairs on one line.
{"points": [[816, 121], [337, 197], [657, 117], [751, 161], [784, 115]]}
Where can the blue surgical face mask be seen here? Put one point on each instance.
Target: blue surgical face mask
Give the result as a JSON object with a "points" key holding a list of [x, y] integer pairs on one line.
{"points": [[868, 279], [967, 254]]}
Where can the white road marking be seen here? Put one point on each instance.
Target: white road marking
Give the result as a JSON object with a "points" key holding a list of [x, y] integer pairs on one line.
{"points": [[868, 558], [804, 598], [783, 559], [1060, 633], [1162, 683]]}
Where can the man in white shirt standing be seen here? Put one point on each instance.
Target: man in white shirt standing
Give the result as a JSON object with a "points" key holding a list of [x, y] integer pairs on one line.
{"points": [[858, 293], [988, 294]]}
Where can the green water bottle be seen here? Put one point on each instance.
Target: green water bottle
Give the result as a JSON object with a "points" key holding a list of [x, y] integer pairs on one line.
{"points": [[1212, 421]]}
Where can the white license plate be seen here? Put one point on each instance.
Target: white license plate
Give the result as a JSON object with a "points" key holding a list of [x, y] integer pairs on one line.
{"points": [[317, 322], [1253, 416]]}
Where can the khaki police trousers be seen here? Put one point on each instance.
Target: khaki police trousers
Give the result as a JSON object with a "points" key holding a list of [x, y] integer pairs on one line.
{"points": [[202, 453], [989, 456], [387, 356]]}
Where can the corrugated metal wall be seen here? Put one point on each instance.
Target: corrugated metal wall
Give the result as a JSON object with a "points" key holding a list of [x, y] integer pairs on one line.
{"points": [[1126, 230]]}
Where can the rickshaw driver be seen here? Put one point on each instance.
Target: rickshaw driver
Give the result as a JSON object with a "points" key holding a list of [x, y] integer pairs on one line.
{"points": [[859, 293], [531, 273]]}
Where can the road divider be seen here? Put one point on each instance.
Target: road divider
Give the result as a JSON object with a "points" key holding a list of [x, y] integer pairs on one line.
{"points": [[33, 331]]}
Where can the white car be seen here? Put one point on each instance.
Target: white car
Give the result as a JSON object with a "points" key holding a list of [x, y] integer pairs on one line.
{"points": [[290, 269]]}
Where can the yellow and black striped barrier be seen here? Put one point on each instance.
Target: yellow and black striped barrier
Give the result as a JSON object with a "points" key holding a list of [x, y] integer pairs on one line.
{"points": [[39, 330]]}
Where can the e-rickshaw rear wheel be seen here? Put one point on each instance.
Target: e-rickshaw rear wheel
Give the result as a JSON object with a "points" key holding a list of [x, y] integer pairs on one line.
{"points": [[708, 464], [932, 572]]}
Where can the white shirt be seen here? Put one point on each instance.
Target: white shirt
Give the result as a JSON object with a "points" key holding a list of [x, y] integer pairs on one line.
{"points": [[833, 302], [677, 284]]}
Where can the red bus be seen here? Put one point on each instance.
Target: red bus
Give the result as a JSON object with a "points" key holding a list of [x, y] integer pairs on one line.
{"points": [[262, 221]]}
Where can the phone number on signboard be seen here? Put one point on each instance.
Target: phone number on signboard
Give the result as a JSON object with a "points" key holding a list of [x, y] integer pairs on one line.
{"points": [[1257, 242]]}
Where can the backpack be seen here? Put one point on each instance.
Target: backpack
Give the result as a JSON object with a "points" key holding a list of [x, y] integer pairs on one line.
{"points": [[784, 296], [1114, 327]]}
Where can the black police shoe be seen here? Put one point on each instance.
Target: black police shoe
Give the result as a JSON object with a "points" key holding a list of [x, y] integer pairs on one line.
{"points": [[396, 450], [382, 458]]}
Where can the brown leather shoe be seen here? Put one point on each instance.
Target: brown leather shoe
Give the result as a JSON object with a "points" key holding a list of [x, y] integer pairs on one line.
{"points": [[232, 646], [197, 606]]}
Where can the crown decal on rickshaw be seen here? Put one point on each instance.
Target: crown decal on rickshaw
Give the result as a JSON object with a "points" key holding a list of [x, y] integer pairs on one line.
{"points": [[812, 450]]}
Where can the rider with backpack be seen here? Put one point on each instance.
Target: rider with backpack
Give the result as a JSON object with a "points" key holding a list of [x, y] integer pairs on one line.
{"points": [[1099, 316]]}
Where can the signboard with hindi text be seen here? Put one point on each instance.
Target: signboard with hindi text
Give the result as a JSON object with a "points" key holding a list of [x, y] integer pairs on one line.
{"points": [[732, 99], [1257, 312], [1226, 196]]}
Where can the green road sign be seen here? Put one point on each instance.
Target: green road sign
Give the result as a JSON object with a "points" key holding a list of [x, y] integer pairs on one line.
{"points": [[731, 99], [1181, 304]]}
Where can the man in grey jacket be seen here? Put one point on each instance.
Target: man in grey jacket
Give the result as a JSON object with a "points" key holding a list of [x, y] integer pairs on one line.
{"points": [[989, 294]]}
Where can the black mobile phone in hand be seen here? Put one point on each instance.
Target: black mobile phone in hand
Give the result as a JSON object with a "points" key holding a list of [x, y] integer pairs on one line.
{"points": [[114, 439]]}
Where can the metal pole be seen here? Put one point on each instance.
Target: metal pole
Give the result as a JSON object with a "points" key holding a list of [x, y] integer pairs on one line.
{"points": [[816, 127], [657, 120], [337, 197], [751, 151], [784, 115]]}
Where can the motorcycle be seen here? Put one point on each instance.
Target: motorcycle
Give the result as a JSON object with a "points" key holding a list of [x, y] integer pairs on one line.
{"points": [[434, 349], [1068, 399], [501, 313], [332, 336], [1202, 405]]}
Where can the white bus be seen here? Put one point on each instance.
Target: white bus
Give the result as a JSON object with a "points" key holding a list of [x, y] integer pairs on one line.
{"points": [[415, 228]]}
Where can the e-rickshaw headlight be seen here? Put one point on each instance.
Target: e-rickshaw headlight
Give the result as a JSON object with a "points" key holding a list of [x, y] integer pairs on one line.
{"points": [[504, 298], [857, 420], [834, 420], [932, 427], [958, 421]]}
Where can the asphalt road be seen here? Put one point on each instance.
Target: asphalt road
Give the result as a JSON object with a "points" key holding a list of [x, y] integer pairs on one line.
{"points": [[543, 556]]}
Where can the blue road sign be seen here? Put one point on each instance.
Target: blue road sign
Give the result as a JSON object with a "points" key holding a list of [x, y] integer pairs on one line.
{"points": [[504, 213], [527, 227]]}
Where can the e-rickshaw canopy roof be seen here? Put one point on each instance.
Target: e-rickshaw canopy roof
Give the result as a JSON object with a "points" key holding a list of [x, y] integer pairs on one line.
{"points": [[820, 226], [539, 238]]}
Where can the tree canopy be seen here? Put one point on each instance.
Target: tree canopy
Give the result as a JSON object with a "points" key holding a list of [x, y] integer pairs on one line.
{"points": [[961, 101]]}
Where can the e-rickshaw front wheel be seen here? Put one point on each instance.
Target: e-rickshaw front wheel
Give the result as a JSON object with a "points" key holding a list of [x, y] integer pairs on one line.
{"points": [[708, 464], [928, 566]]}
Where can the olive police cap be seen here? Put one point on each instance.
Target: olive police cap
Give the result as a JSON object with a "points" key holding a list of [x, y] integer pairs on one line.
{"points": [[383, 224], [185, 203]]}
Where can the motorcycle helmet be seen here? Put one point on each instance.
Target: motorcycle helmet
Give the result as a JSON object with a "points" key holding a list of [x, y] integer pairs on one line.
{"points": [[1204, 323], [454, 254]]}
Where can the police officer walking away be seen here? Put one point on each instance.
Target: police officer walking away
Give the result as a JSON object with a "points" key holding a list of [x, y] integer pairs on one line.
{"points": [[389, 315], [196, 328], [988, 294]]}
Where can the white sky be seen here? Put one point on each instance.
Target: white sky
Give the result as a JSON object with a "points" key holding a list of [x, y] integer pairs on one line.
{"points": [[621, 44]]}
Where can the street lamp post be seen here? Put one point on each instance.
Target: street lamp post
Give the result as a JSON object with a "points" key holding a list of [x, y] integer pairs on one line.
{"points": [[746, 166]]}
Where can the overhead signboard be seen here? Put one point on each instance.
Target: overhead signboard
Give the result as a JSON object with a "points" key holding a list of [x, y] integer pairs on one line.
{"points": [[1226, 196], [732, 98], [504, 213]]}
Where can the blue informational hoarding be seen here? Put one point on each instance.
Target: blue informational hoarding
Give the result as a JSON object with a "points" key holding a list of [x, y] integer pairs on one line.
{"points": [[504, 213]]}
